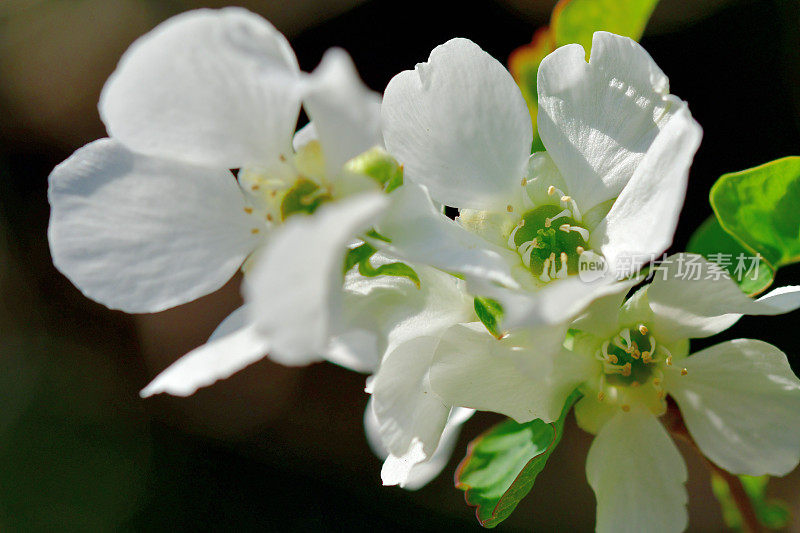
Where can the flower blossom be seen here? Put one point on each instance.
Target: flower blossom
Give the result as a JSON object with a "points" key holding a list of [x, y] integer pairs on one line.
{"points": [[739, 399], [608, 190]]}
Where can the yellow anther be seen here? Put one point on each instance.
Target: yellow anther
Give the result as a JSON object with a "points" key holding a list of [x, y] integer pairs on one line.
{"points": [[601, 396], [646, 357], [626, 408], [565, 198], [547, 222], [551, 190], [580, 250], [684, 371], [669, 360], [254, 231], [269, 217], [510, 208], [564, 228], [626, 370], [255, 187], [642, 329], [523, 182], [248, 210]]}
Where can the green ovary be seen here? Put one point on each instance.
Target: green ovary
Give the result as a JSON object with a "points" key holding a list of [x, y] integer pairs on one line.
{"points": [[550, 242]]}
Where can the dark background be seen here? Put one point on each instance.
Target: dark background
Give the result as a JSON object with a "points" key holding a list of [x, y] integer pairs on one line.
{"points": [[275, 448]]}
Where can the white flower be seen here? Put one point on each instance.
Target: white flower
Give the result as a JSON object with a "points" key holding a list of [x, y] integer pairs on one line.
{"points": [[739, 399], [152, 217], [610, 185]]}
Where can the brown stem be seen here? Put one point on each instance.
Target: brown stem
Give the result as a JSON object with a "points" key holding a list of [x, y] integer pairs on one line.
{"points": [[750, 524]]}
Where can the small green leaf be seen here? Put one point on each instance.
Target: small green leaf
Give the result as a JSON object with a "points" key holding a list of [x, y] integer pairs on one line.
{"points": [[773, 514], [758, 207], [502, 464], [380, 166], [490, 313], [715, 244], [361, 255], [574, 21]]}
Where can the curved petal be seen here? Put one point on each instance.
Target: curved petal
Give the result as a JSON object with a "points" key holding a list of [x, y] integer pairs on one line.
{"points": [[460, 126], [412, 471], [642, 220], [142, 234], [473, 369], [413, 475], [637, 475], [345, 113], [598, 119], [421, 234], [741, 403], [295, 286], [408, 411], [692, 298], [216, 87], [234, 345]]}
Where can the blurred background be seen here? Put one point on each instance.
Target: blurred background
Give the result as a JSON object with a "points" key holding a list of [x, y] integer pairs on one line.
{"points": [[274, 448]]}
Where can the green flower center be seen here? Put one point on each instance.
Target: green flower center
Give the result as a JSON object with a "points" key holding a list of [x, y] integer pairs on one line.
{"points": [[550, 241]]}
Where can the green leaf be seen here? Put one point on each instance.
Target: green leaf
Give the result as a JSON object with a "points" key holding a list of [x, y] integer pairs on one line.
{"points": [[361, 256], [758, 207], [715, 244], [502, 464], [772, 514], [380, 166], [574, 21], [490, 313]]}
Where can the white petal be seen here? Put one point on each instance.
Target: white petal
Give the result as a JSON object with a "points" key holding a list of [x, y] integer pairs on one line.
{"points": [[693, 298], [406, 408], [598, 119], [395, 310], [210, 87], [395, 470], [637, 475], [421, 234], [295, 286], [473, 369], [304, 135], [142, 234], [234, 345], [460, 126], [346, 114], [642, 220], [741, 403]]}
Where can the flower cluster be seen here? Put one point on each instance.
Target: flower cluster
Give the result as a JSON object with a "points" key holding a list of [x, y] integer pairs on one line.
{"points": [[533, 292]]}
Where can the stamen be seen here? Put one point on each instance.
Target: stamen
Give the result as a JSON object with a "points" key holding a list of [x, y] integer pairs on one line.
{"points": [[626, 369], [550, 190], [626, 334], [609, 357], [684, 371], [248, 210], [564, 228], [544, 277], [524, 182], [526, 255], [564, 213], [580, 250], [510, 208], [254, 231], [562, 272], [553, 265], [511, 243], [584, 232], [565, 199], [642, 329]]}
